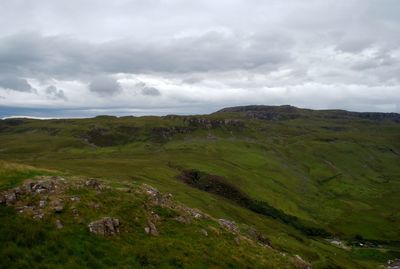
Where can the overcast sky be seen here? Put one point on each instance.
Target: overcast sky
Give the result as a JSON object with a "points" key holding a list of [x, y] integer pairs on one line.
{"points": [[88, 57]]}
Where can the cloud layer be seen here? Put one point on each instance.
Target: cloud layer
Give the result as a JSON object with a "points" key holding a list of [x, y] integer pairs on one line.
{"points": [[175, 55]]}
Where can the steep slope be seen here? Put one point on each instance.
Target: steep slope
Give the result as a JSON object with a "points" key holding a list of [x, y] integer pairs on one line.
{"points": [[334, 171]]}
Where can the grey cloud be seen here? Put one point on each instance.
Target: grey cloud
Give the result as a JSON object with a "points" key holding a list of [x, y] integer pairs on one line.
{"points": [[55, 56], [105, 86], [147, 90], [54, 93], [211, 47], [16, 84], [150, 91]]}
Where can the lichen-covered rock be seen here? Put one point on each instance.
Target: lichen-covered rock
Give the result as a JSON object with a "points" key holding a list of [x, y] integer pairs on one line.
{"points": [[106, 226]]}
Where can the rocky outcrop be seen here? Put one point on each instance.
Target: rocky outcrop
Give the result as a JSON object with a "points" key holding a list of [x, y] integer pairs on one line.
{"points": [[106, 226], [209, 123]]}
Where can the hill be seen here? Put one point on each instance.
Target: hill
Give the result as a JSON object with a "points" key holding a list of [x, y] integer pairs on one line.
{"points": [[321, 184]]}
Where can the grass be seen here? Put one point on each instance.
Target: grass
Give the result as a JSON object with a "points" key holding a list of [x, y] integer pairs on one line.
{"points": [[340, 174]]}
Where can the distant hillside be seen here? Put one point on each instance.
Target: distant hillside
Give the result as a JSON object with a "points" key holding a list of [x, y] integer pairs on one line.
{"points": [[291, 112]]}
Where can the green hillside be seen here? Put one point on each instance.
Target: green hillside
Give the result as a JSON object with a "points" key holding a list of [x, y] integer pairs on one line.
{"points": [[300, 177]]}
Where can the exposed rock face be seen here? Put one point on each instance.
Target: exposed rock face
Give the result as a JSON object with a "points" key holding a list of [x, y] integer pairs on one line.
{"points": [[229, 225], [106, 226], [212, 123]]}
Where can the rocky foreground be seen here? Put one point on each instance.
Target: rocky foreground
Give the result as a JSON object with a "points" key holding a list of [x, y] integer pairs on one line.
{"points": [[48, 198]]}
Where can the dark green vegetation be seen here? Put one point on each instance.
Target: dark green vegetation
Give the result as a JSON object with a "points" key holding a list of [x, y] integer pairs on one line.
{"points": [[332, 170], [217, 185]]}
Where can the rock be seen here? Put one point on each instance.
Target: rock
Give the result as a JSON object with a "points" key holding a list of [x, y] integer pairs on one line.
{"points": [[182, 219], [151, 229], [2, 199], [42, 186], [299, 263], [259, 237], [10, 198], [38, 215], [237, 240], [94, 184], [75, 199], [59, 224], [42, 203], [58, 205], [95, 206], [106, 226], [204, 232], [157, 197], [229, 225], [393, 264]]}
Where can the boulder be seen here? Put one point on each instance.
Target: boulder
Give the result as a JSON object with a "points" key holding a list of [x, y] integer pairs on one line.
{"points": [[106, 226]]}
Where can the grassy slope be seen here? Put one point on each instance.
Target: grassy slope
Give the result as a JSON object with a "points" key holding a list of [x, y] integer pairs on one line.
{"points": [[342, 175]]}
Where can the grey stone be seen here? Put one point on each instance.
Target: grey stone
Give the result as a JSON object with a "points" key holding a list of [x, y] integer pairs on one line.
{"points": [[106, 226]]}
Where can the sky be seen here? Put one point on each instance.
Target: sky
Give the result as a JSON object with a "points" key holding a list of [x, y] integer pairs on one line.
{"points": [[78, 58]]}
